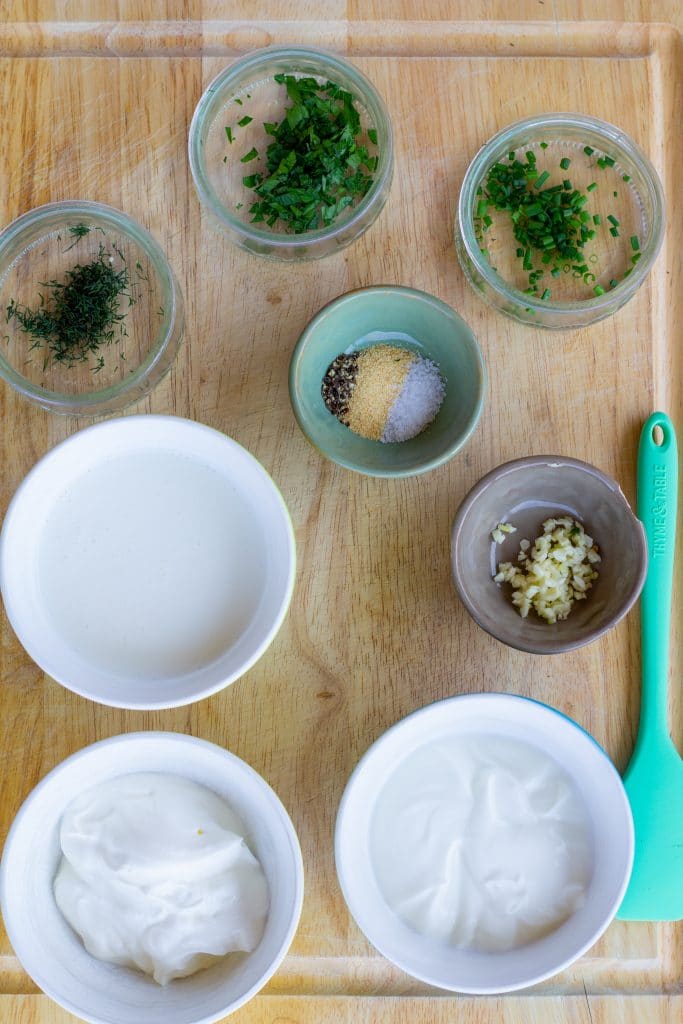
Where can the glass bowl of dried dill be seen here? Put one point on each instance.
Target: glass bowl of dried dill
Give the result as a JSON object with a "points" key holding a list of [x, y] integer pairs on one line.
{"points": [[92, 316], [560, 219], [291, 151]]}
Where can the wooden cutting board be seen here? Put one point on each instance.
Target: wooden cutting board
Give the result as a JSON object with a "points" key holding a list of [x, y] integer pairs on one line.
{"points": [[98, 107]]}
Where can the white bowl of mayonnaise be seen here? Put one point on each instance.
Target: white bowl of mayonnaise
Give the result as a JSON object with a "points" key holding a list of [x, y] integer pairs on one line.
{"points": [[484, 843], [151, 877], [147, 561]]}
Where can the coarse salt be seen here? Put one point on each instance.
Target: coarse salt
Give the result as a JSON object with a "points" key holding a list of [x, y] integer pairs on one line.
{"points": [[417, 404]]}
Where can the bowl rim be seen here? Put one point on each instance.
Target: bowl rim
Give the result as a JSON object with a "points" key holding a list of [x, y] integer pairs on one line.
{"points": [[148, 422], [136, 385], [493, 699], [601, 305], [181, 739], [442, 307], [548, 461], [200, 176]]}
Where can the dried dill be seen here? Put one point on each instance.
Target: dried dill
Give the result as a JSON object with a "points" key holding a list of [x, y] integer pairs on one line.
{"points": [[80, 314]]}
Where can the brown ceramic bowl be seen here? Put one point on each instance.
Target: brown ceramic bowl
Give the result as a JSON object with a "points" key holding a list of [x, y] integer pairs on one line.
{"points": [[525, 493]]}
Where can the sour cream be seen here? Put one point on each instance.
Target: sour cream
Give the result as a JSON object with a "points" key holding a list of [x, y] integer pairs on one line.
{"points": [[481, 842], [156, 874]]}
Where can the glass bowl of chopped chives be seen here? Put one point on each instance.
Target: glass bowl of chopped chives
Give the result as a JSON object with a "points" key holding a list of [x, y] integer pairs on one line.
{"points": [[92, 316], [291, 151], [560, 219]]}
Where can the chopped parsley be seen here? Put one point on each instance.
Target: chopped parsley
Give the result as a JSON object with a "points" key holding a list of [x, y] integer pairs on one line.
{"points": [[316, 164]]}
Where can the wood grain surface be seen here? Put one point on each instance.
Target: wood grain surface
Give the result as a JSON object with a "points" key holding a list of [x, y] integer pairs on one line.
{"points": [[98, 97]]}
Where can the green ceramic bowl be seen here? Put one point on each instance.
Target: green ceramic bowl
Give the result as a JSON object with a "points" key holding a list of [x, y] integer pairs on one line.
{"points": [[391, 315]]}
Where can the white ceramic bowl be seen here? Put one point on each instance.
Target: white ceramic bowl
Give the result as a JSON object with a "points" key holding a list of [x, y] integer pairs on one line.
{"points": [[152, 598], [54, 955], [599, 787]]}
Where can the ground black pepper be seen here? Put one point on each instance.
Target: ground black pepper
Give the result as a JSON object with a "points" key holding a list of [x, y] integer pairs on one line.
{"points": [[338, 384]]}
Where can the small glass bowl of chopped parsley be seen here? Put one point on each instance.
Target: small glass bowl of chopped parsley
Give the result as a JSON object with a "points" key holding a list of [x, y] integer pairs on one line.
{"points": [[291, 150], [91, 315], [560, 219]]}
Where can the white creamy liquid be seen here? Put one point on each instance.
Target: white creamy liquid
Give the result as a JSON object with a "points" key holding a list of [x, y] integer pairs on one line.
{"points": [[150, 565], [156, 874], [481, 842]]}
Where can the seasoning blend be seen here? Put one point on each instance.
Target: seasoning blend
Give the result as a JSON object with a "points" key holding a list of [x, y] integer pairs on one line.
{"points": [[384, 393]]}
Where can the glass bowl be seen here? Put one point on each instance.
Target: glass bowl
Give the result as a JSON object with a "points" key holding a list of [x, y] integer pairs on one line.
{"points": [[247, 92], [623, 206], [52, 259]]}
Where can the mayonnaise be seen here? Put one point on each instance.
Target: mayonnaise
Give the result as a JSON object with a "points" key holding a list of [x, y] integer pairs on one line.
{"points": [[156, 874], [481, 842]]}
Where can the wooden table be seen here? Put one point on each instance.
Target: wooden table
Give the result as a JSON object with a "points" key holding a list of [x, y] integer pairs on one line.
{"points": [[97, 98]]}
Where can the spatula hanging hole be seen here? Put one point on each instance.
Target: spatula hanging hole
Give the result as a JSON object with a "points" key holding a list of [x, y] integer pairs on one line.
{"points": [[658, 435]]}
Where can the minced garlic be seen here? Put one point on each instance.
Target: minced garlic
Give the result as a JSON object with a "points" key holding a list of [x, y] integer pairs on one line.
{"points": [[499, 533], [557, 571]]}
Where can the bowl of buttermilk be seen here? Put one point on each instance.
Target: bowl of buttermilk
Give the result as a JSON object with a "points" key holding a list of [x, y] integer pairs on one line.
{"points": [[147, 562]]}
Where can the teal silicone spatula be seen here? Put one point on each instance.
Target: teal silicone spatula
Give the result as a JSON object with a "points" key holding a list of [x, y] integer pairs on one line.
{"points": [[654, 778]]}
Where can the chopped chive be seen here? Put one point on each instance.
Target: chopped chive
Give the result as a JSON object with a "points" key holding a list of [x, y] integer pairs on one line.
{"points": [[593, 185], [238, 102], [567, 185], [511, 155], [613, 220], [546, 294], [635, 244], [544, 145], [372, 135], [555, 272], [487, 221], [636, 256], [228, 132], [482, 207], [626, 177], [597, 219], [251, 155], [614, 232], [541, 179], [588, 150], [613, 282], [225, 159], [615, 194], [588, 278], [599, 290], [565, 163], [519, 252], [244, 121], [609, 161]]}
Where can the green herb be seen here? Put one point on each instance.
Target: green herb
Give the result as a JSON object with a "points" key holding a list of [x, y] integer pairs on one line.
{"points": [[635, 244], [251, 155], [599, 290], [593, 185], [238, 102], [588, 150], [614, 232], [546, 294], [565, 162], [613, 283], [76, 232], [626, 177], [228, 132], [244, 121], [613, 220], [597, 219], [544, 145], [81, 313], [316, 165]]}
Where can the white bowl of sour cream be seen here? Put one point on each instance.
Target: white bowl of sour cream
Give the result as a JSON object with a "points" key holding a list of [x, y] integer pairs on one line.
{"points": [[54, 818], [484, 843], [147, 562]]}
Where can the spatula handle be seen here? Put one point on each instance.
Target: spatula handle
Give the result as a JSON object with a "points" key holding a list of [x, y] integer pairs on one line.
{"points": [[657, 502]]}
